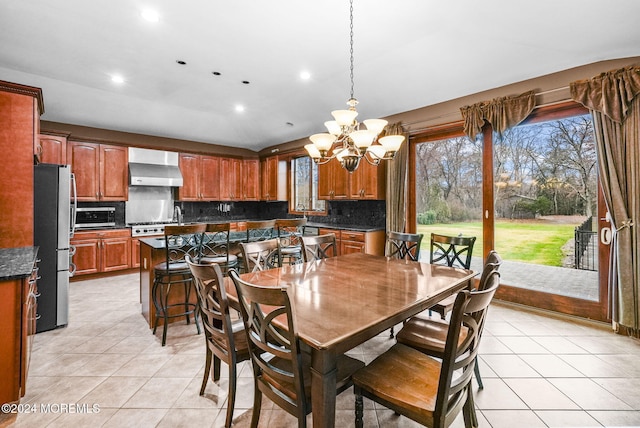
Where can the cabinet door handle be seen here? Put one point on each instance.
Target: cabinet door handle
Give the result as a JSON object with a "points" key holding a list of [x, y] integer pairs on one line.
{"points": [[97, 195]]}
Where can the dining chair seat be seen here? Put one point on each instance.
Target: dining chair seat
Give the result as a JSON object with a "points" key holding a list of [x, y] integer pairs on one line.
{"points": [[232, 259], [428, 334]]}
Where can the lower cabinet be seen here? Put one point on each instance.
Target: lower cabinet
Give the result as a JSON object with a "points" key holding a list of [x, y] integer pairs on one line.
{"points": [[349, 241], [18, 307], [102, 251]]}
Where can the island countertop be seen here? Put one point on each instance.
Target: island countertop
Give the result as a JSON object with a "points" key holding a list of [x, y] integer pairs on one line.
{"points": [[16, 263]]}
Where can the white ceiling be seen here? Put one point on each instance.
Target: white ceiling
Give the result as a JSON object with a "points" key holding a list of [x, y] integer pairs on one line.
{"points": [[408, 54]]}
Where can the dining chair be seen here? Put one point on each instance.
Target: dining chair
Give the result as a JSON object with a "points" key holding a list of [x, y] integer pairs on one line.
{"points": [[215, 247], [430, 391], [444, 306], [225, 337], [428, 334], [179, 241], [453, 251], [404, 245], [290, 234], [281, 370], [261, 255], [257, 230], [319, 247]]}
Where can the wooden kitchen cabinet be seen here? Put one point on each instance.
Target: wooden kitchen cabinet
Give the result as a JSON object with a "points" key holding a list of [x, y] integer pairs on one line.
{"points": [[350, 241], [250, 172], [52, 149], [101, 171], [333, 181], [18, 313], [230, 179], [201, 177], [273, 179], [135, 253], [20, 109], [368, 181], [102, 251]]}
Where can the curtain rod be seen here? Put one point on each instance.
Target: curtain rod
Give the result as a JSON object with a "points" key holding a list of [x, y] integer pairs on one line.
{"points": [[552, 90]]}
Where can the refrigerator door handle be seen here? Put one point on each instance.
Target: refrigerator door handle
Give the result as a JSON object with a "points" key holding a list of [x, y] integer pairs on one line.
{"points": [[74, 204]]}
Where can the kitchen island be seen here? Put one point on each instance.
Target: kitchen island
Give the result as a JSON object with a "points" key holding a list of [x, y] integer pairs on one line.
{"points": [[350, 239]]}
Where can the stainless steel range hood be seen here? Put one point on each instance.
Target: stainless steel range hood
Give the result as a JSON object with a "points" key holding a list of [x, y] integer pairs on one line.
{"points": [[153, 168]]}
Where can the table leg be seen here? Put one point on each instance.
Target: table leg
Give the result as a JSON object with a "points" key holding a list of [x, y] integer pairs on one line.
{"points": [[323, 388]]}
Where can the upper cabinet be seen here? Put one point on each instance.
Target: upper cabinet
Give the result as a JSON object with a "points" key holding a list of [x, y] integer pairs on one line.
{"points": [[230, 179], [211, 178], [368, 181], [52, 149], [250, 171], [333, 181], [273, 179], [101, 171], [201, 178]]}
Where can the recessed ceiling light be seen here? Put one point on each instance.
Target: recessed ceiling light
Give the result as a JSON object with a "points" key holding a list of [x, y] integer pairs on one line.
{"points": [[216, 73], [181, 62], [239, 108], [246, 82], [305, 75], [116, 78], [150, 15]]}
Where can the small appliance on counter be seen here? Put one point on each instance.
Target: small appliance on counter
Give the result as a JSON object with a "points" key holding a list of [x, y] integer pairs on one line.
{"points": [[54, 201]]}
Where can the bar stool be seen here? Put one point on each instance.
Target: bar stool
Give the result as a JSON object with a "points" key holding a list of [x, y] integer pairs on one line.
{"points": [[290, 234], [173, 276]]}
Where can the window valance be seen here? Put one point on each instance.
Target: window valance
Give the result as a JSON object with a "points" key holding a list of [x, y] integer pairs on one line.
{"points": [[609, 93], [502, 113]]}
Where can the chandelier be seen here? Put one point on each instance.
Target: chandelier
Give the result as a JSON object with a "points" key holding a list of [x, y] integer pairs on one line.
{"points": [[349, 140]]}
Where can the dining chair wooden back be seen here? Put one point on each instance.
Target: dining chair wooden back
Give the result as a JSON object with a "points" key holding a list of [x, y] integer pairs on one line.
{"points": [[493, 261], [225, 337], [430, 391], [454, 251], [428, 335], [290, 232], [319, 247], [173, 272], [215, 247], [404, 245], [261, 255], [280, 367]]}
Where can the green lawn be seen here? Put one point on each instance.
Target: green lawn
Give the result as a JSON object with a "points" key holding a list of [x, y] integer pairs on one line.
{"points": [[531, 242]]}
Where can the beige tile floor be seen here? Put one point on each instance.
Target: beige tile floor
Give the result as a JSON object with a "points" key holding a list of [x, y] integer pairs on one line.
{"points": [[538, 370]]}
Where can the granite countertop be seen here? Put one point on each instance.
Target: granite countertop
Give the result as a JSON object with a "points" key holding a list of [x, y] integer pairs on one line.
{"points": [[17, 263], [355, 228]]}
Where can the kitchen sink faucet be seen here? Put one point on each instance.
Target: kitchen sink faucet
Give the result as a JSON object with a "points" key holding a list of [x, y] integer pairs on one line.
{"points": [[177, 214]]}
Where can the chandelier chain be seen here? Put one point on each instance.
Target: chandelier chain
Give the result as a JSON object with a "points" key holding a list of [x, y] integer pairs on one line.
{"points": [[351, 43]]}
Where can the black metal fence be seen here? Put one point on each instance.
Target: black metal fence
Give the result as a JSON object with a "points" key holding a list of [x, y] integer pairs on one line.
{"points": [[586, 246]]}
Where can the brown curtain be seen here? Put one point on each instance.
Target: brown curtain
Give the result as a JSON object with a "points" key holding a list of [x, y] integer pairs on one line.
{"points": [[502, 113], [397, 182], [614, 103]]}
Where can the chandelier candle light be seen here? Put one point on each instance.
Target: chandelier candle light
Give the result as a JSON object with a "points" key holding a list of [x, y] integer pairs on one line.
{"points": [[351, 142]]}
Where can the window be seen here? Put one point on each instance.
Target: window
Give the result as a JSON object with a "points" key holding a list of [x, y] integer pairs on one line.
{"points": [[304, 187]]}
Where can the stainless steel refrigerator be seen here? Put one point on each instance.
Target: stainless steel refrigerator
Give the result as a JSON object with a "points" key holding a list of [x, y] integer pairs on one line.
{"points": [[54, 214]]}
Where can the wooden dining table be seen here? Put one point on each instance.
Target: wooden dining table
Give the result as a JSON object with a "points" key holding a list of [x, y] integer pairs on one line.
{"points": [[341, 302]]}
